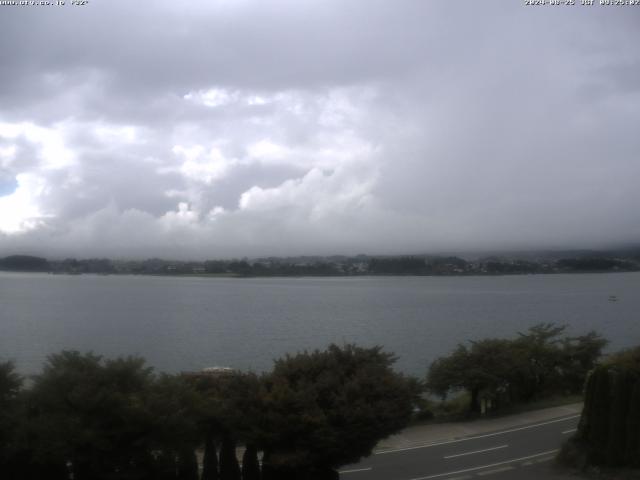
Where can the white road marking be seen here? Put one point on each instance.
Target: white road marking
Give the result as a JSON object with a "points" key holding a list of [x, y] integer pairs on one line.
{"points": [[355, 470], [495, 470], [486, 466], [569, 431], [476, 451], [542, 460], [477, 436]]}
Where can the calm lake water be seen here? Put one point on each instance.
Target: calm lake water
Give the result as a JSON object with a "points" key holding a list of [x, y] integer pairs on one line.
{"points": [[180, 323]]}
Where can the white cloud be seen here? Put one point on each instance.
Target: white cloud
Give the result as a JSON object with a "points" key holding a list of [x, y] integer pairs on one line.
{"points": [[121, 134], [257, 100], [267, 151], [184, 216], [7, 154], [53, 151], [318, 195], [199, 164], [20, 211], [214, 97]]}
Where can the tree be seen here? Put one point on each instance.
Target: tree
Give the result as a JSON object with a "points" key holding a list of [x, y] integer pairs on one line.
{"points": [[229, 468], [538, 362], [24, 263], [187, 464], [241, 267], [250, 464], [210, 458], [174, 406], [541, 372], [581, 355], [230, 411], [448, 373], [609, 428], [112, 418], [484, 368], [398, 266], [10, 385], [328, 408], [92, 413]]}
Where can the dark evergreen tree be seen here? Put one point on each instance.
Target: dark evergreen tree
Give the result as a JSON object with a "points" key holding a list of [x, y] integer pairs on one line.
{"points": [[250, 464], [210, 459], [187, 465], [268, 472], [608, 432], [10, 384], [166, 467], [229, 468], [632, 450], [230, 411]]}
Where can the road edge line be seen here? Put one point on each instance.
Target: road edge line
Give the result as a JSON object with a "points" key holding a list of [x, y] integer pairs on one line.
{"points": [[486, 466], [447, 442]]}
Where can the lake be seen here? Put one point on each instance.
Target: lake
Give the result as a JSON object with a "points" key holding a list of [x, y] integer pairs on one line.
{"points": [[187, 323]]}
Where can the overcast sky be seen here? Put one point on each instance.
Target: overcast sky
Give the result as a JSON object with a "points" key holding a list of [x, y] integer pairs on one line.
{"points": [[210, 129]]}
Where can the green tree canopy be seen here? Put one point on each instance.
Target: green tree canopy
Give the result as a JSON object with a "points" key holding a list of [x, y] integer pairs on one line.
{"points": [[111, 418], [92, 413], [628, 358], [328, 408], [10, 384], [486, 366], [538, 362], [230, 410]]}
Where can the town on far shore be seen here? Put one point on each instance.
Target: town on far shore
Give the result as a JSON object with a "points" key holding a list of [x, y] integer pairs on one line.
{"points": [[566, 261]]}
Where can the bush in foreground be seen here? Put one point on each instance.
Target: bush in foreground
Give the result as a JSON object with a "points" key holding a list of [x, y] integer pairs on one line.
{"points": [[329, 408], [90, 418], [609, 430]]}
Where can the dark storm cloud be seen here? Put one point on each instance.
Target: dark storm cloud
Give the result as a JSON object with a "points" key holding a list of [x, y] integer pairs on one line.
{"points": [[241, 127]]}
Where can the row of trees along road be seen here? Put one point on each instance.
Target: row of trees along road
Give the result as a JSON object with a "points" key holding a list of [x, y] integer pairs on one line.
{"points": [[89, 418], [540, 362]]}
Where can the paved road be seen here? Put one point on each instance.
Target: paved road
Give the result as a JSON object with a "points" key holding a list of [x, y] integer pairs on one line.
{"points": [[513, 453]]}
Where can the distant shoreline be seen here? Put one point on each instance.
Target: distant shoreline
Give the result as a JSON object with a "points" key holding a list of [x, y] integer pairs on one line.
{"points": [[334, 266], [363, 275]]}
